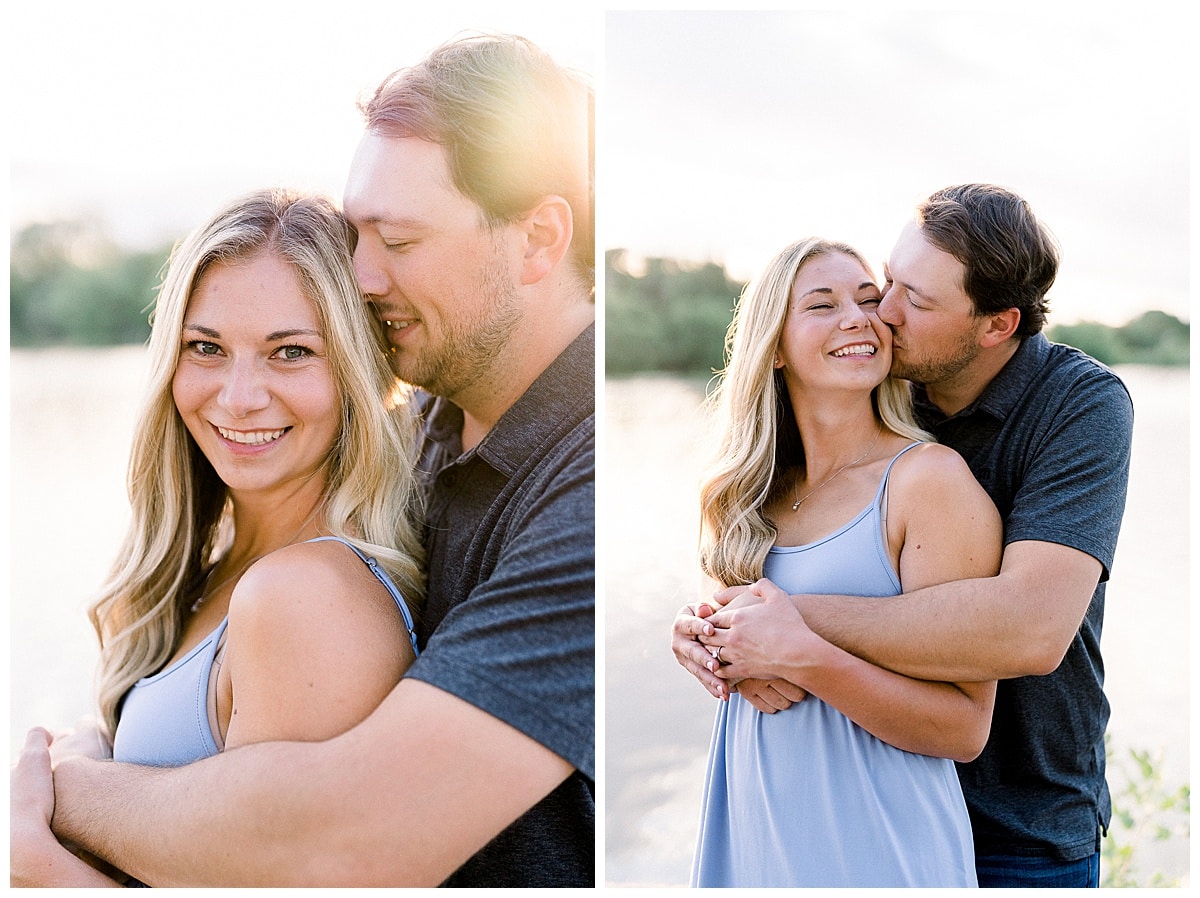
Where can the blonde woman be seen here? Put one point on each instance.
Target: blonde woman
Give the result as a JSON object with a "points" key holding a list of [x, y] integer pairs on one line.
{"points": [[262, 589], [823, 484]]}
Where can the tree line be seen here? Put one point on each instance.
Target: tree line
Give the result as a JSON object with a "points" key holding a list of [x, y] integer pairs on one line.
{"points": [[671, 317], [70, 284]]}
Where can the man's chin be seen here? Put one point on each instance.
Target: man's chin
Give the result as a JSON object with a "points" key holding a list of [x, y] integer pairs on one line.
{"points": [[902, 369]]}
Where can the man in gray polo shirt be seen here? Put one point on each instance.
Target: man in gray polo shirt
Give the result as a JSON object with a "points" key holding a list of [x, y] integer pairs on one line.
{"points": [[1047, 432]]}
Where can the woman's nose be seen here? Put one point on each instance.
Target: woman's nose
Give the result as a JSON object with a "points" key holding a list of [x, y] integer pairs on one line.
{"points": [[244, 390], [854, 316]]}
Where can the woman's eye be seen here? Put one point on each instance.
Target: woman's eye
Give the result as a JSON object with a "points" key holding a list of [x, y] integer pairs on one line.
{"points": [[292, 353], [203, 347], [870, 301]]}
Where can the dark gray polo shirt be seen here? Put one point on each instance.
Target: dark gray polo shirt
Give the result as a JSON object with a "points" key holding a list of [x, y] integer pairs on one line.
{"points": [[1049, 440], [509, 621]]}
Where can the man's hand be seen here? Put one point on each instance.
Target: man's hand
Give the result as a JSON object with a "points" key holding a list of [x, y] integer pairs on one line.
{"points": [[31, 786], [36, 857], [759, 634], [691, 632], [735, 597], [33, 850], [691, 624]]}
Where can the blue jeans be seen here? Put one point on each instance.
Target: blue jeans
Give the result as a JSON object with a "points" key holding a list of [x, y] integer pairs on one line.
{"points": [[1012, 871]]}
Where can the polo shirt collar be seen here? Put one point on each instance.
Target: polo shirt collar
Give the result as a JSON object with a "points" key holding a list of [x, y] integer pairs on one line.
{"points": [[563, 394], [1005, 390]]}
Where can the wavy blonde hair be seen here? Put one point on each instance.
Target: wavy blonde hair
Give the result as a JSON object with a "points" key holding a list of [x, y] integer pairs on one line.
{"points": [[180, 509], [758, 435]]}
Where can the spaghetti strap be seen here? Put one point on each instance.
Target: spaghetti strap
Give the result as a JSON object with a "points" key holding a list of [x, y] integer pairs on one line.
{"points": [[884, 480], [382, 576]]}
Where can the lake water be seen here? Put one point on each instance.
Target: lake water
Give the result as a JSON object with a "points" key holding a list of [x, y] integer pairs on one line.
{"points": [[71, 418]]}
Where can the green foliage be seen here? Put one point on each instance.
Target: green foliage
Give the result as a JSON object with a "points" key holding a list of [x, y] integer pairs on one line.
{"points": [[1153, 338], [671, 318], [70, 284], [1144, 810]]}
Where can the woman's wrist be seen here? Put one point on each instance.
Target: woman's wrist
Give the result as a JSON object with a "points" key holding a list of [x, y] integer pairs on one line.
{"points": [[34, 854]]}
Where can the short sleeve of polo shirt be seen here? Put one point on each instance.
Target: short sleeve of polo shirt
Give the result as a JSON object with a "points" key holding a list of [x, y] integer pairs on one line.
{"points": [[521, 646], [1072, 490]]}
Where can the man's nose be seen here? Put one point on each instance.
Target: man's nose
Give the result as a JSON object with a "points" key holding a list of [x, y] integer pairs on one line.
{"points": [[889, 308], [370, 275]]}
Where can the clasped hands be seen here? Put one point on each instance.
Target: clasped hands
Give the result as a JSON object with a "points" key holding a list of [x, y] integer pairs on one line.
{"points": [[32, 844], [743, 641]]}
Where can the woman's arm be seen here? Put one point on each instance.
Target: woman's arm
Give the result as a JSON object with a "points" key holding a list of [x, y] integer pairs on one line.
{"points": [[948, 529], [315, 644]]}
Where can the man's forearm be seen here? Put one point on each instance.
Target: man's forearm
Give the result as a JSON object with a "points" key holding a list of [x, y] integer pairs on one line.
{"points": [[402, 799], [1016, 624], [146, 821], [956, 632]]}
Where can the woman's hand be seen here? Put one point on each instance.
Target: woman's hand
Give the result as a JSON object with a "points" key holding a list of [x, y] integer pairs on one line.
{"points": [[31, 805], [87, 740], [770, 696], [697, 660], [35, 856]]}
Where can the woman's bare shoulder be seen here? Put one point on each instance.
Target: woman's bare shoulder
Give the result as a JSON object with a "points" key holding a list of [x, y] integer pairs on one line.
{"points": [[931, 476], [949, 527], [931, 465], [308, 577]]}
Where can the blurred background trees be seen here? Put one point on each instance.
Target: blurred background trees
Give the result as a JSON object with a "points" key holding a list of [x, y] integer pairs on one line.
{"points": [[666, 316], [71, 284]]}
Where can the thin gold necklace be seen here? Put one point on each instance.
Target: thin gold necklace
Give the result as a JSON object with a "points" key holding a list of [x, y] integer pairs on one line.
{"points": [[208, 591], [796, 504]]}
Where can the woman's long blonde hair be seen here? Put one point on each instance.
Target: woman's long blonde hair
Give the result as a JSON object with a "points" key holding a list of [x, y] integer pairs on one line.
{"points": [[180, 510], [758, 435]]}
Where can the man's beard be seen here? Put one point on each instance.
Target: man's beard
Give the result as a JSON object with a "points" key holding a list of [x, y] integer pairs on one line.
{"points": [[469, 348], [937, 369]]}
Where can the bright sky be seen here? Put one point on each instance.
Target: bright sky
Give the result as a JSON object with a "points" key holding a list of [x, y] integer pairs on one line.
{"points": [[728, 135], [723, 136], [153, 114]]}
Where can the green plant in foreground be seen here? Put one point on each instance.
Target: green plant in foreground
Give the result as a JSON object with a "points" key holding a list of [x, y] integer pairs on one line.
{"points": [[1144, 809]]}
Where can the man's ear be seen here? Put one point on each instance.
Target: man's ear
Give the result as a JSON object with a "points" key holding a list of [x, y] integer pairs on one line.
{"points": [[1000, 327], [547, 230]]}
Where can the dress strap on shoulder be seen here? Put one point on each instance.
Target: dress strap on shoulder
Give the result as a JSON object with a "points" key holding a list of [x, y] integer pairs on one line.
{"points": [[883, 480], [383, 577]]}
